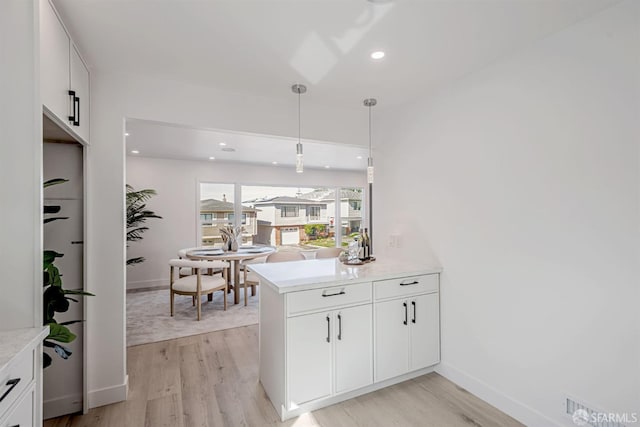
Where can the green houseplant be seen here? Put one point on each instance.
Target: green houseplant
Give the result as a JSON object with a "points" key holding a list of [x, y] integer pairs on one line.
{"points": [[137, 215], [56, 298]]}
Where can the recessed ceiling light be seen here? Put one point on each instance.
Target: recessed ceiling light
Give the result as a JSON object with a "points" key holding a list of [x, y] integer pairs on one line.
{"points": [[126, 134], [222, 144], [327, 166], [135, 152], [359, 157], [378, 54], [275, 163], [212, 158]]}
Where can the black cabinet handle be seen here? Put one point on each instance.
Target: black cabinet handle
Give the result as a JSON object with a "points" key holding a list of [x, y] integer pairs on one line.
{"points": [[413, 303], [415, 282], [405, 312], [12, 383], [340, 326], [77, 120], [342, 292], [72, 94], [328, 329]]}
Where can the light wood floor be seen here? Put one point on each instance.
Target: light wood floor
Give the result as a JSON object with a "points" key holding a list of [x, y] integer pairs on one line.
{"points": [[212, 380]]}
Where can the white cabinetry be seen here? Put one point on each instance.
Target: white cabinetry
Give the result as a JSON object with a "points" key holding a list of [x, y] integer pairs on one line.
{"points": [[64, 76], [407, 325], [325, 340], [21, 377], [328, 352]]}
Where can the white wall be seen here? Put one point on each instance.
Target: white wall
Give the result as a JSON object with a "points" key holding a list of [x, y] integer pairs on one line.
{"points": [[176, 182], [20, 163], [523, 179], [116, 97]]}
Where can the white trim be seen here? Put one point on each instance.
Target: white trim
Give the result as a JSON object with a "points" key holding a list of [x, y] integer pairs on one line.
{"points": [[500, 400], [109, 395], [64, 405]]}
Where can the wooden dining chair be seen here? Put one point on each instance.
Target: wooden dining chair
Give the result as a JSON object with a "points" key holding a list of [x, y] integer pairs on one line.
{"points": [[198, 284], [250, 279]]}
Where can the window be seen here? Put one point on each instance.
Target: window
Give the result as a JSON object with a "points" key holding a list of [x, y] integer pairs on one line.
{"points": [[216, 200], [206, 218], [313, 212], [288, 211], [356, 205], [231, 216]]}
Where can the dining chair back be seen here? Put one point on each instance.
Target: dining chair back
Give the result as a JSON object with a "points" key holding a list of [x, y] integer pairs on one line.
{"points": [[328, 253], [198, 284]]}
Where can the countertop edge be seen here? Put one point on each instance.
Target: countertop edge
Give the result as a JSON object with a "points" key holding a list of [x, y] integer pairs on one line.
{"points": [[23, 338]]}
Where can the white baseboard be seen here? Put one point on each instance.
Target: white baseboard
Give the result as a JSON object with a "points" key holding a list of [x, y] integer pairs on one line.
{"points": [[142, 284], [506, 404], [60, 406], [109, 395]]}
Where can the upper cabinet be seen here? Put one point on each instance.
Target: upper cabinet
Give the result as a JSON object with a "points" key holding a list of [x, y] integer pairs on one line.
{"points": [[64, 75]]}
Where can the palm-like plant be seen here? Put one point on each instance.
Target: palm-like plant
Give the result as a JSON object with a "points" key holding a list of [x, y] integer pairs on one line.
{"points": [[137, 214]]}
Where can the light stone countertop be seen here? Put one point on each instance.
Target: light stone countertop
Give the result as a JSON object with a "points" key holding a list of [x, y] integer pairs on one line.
{"points": [[14, 341], [317, 273]]}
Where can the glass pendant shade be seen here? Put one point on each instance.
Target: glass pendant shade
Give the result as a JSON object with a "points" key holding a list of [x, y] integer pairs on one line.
{"points": [[299, 158], [370, 171]]}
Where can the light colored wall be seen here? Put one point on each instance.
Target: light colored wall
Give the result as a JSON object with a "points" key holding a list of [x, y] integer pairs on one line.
{"points": [[176, 182], [20, 166], [117, 97], [523, 181]]}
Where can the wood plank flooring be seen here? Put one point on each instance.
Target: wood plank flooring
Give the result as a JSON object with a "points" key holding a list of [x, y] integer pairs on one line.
{"points": [[212, 380]]}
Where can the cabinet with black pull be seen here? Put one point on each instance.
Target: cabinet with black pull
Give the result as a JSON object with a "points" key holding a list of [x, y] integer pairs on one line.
{"points": [[64, 75], [407, 325]]}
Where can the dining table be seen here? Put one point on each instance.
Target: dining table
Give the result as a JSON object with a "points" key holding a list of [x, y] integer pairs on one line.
{"points": [[245, 252]]}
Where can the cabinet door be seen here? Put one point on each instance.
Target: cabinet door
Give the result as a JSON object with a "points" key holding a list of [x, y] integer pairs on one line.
{"points": [[24, 412], [54, 63], [424, 317], [309, 341], [392, 339], [80, 84], [354, 347]]}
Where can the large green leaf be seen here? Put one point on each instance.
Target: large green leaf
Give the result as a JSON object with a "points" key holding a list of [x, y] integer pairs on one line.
{"points": [[60, 333]]}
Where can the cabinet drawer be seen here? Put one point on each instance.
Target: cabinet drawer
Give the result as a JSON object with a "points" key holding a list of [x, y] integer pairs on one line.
{"points": [[404, 286], [22, 415], [16, 379], [335, 296]]}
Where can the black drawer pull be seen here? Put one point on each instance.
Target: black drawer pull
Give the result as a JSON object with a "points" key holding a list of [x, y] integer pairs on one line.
{"points": [[13, 383], [413, 303], [333, 295], [415, 282], [340, 326], [76, 122]]}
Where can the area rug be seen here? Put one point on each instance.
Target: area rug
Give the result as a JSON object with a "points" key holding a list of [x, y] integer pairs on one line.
{"points": [[148, 318]]}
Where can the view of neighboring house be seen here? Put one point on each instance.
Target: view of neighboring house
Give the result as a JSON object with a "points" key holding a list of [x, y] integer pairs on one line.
{"points": [[219, 213], [350, 207], [282, 219]]}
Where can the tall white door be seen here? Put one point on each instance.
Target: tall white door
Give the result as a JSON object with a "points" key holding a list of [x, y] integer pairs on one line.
{"points": [[353, 340], [425, 336], [309, 342], [391, 339]]}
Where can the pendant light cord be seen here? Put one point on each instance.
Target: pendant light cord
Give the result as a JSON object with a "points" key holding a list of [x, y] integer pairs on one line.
{"points": [[369, 131], [299, 142]]}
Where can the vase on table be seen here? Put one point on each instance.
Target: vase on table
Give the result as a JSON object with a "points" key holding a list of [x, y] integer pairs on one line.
{"points": [[233, 245]]}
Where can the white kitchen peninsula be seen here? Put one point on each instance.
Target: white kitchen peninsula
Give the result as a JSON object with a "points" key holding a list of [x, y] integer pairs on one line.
{"points": [[330, 332]]}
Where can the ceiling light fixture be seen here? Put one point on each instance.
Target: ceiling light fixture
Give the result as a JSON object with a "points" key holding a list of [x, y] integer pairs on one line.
{"points": [[299, 89], [378, 54], [212, 158], [327, 166], [222, 144], [370, 102], [135, 152], [126, 134], [359, 157], [274, 163]]}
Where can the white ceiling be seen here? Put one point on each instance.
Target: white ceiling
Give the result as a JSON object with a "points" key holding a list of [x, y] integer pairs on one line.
{"points": [[261, 47], [153, 139]]}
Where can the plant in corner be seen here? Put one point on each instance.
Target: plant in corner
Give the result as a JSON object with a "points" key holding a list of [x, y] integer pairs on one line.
{"points": [[137, 214], [55, 298]]}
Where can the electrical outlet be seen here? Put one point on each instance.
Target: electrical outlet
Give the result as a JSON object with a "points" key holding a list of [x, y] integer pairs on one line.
{"points": [[394, 241]]}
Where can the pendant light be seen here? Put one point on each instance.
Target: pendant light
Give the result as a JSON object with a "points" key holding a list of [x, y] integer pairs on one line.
{"points": [[370, 102], [299, 89]]}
